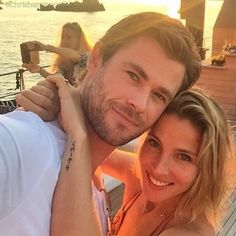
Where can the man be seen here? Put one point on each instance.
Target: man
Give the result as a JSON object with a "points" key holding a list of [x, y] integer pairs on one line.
{"points": [[134, 71]]}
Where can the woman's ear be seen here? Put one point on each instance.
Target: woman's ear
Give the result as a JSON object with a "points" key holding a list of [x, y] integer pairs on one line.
{"points": [[95, 58]]}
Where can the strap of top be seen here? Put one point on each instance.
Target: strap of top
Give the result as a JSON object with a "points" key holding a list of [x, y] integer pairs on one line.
{"points": [[118, 219]]}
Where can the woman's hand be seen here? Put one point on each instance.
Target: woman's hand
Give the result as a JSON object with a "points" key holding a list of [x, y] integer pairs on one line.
{"points": [[33, 68], [41, 99], [38, 46]]}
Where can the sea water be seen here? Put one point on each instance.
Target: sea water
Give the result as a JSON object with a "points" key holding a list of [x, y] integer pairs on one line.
{"points": [[22, 22]]}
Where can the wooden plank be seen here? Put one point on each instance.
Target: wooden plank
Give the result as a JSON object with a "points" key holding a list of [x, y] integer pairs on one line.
{"points": [[229, 225], [116, 197], [220, 84]]}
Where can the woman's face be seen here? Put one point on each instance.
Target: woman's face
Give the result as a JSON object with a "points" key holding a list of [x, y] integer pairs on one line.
{"points": [[69, 39], [168, 158]]}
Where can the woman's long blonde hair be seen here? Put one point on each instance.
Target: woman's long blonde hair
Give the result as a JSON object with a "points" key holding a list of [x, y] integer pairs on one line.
{"points": [[215, 178], [84, 45]]}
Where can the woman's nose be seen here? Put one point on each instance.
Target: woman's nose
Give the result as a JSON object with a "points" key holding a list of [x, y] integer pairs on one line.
{"points": [[162, 167]]}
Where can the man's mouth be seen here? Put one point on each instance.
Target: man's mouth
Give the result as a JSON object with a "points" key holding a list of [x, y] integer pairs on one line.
{"points": [[126, 117]]}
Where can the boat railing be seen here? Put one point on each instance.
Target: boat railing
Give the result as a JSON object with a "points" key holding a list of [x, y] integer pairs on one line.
{"points": [[20, 83]]}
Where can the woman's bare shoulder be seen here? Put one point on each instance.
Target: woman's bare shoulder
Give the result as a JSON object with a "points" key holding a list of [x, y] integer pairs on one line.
{"points": [[195, 228]]}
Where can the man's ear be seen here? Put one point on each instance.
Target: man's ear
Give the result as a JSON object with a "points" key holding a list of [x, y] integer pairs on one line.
{"points": [[95, 58]]}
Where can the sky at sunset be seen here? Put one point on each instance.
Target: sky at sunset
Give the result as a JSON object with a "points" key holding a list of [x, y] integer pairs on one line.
{"points": [[146, 2], [116, 2], [168, 3], [172, 6]]}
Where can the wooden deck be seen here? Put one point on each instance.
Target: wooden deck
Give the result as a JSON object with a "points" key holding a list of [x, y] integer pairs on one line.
{"points": [[116, 197], [229, 225], [220, 83]]}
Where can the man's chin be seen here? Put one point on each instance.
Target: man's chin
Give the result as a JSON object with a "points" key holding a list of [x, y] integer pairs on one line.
{"points": [[119, 140], [119, 136]]}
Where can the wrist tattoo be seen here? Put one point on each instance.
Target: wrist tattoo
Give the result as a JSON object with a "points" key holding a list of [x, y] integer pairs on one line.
{"points": [[69, 159]]}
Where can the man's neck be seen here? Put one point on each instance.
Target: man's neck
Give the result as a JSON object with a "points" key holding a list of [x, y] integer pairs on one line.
{"points": [[100, 150]]}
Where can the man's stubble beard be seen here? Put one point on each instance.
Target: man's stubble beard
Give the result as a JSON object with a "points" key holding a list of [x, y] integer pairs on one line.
{"points": [[95, 106]]}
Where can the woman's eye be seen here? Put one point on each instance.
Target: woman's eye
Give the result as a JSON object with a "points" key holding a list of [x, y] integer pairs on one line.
{"points": [[185, 157], [133, 76]]}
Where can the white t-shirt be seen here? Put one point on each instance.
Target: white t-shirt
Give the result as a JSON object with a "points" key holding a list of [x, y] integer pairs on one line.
{"points": [[30, 158]]}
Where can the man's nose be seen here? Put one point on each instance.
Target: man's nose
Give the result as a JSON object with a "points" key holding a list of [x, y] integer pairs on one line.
{"points": [[139, 101]]}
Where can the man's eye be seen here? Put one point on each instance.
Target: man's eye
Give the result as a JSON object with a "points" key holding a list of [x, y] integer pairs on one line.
{"points": [[152, 142], [160, 96], [184, 157], [133, 76]]}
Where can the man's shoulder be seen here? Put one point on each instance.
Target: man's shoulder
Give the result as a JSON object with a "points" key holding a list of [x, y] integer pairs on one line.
{"points": [[29, 160], [20, 117], [30, 122], [26, 130]]}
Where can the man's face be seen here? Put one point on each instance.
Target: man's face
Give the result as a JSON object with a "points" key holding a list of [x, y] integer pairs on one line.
{"points": [[124, 97]]}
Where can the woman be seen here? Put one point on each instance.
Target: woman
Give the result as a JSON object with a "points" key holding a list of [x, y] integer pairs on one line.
{"points": [[71, 54], [178, 185], [70, 61]]}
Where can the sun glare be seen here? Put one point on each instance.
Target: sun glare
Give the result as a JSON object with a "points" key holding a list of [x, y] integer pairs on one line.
{"points": [[171, 5], [173, 8]]}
